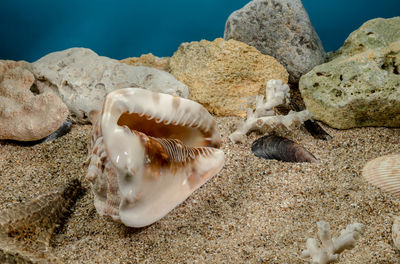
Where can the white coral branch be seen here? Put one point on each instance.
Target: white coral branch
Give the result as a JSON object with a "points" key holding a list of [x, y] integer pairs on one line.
{"points": [[330, 248], [264, 118]]}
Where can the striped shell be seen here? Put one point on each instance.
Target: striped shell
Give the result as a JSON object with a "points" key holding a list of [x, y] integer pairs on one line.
{"points": [[149, 151], [384, 172]]}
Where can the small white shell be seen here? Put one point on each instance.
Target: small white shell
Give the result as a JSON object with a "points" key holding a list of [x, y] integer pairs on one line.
{"points": [[149, 152], [396, 231], [384, 172]]}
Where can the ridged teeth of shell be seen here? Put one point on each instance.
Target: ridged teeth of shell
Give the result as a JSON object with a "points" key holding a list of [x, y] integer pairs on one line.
{"points": [[150, 115], [185, 119], [192, 155], [160, 119], [206, 151], [196, 121], [193, 121], [178, 118], [199, 123], [139, 110], [167, 122], [181, 153], [182, 118], [202, 152]]}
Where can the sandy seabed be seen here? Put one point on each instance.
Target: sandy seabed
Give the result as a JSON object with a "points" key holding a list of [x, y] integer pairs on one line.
{"points": [[253, 211]]}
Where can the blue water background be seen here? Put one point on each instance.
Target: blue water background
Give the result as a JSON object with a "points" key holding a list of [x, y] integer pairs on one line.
{"points": [[128, 28]]}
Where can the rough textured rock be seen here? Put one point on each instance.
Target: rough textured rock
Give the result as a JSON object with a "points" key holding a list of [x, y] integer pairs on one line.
{"points": [[373, 34], [361, 85], [25, 113], [148, 60], [82, 78], [280, 28], [224, 76]]}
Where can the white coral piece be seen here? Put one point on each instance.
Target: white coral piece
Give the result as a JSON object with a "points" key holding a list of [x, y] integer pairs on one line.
{"points": [[264, 118], [331, 247]]}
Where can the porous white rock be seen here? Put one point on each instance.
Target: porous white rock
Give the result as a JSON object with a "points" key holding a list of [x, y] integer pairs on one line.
{"points": [[25, 113], [264, 118], [360, 86], [82, 79]]}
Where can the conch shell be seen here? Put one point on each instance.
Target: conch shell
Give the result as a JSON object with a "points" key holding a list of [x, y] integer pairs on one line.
{"points": [[149, 152]]}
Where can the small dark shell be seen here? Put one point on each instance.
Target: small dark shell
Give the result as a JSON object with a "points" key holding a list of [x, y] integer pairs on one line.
{"points": [[279, 148], [316, 130], [61, 131]]}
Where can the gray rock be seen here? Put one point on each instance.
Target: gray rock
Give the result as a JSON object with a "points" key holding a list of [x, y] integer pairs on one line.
{"points": [[360, 86], [281, 29], [82, 79]]}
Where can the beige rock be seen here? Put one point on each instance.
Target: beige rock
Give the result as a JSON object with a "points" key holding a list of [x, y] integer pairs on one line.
{"points": [[149, 60], [26, 114], [224, 76]]}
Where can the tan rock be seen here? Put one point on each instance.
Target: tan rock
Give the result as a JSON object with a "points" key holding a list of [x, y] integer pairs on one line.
{"points": [[224, 76], [148, 60], [25, 113]]}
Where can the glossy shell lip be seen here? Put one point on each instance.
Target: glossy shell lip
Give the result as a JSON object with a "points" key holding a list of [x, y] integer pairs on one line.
{"points": [[153, 150]]}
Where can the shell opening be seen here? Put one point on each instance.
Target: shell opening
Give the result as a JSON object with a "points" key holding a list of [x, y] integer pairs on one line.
{"points": [[154, 127]]}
